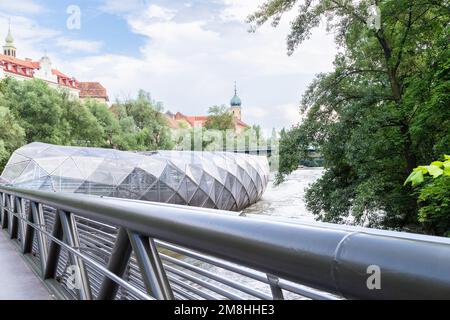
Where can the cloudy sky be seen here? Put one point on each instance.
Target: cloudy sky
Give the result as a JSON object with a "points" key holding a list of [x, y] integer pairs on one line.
{"points": [[187, 53]]}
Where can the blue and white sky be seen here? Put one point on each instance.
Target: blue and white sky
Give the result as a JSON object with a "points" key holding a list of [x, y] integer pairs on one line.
{"points": [[186, 53]]}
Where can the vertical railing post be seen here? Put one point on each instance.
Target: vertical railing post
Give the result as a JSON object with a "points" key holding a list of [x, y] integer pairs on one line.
{"points": [[151, 267], [29, 230], [20, 223], [4, 212], [12, 219], [38, 218], [54, 250], [277, 293], [117, 264], [71, 236]]}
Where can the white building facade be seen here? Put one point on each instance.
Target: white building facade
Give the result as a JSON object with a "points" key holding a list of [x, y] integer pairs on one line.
{"points": [[19, 69]]}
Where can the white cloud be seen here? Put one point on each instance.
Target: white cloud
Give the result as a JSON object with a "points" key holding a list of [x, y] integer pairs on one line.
{"points": [[20, 7], [30, 39], [158, 12], [238, 9], [73, 45], [120, 6], [27, 35], [257, 112], [191, 64], [291, 113]]}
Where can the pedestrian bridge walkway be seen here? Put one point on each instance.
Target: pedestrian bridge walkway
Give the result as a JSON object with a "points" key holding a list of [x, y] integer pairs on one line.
{"points": [[17, 281], [99, 248]]}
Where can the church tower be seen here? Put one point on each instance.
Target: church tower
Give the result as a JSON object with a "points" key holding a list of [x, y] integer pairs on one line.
{"points": [[236, 104], [9, 49]]}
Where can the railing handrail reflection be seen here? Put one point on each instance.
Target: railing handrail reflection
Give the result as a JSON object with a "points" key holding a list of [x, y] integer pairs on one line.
{"points": [[336, 259]]}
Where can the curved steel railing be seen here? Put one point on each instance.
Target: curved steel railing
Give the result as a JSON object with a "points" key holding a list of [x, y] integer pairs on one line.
{"points": [[126, 249]]}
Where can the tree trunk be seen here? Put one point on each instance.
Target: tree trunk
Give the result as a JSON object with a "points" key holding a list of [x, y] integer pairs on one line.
{"points": [[410, 157]]}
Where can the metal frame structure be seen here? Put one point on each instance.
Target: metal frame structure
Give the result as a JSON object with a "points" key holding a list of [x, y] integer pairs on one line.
{"points": [[217, 180], [129, 249]]}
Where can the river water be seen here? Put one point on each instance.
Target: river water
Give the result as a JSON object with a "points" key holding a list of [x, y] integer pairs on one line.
{"points": [[288, 199]]}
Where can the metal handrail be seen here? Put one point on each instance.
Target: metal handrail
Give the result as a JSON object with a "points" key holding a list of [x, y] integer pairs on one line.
{"points": [[87, 259], [334, 259]]}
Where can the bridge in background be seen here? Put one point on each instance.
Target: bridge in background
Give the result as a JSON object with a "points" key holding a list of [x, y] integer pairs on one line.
{"points": [[89, 247], [260, 151], [314, 157]]}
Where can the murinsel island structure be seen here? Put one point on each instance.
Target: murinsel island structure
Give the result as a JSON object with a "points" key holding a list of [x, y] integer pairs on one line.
{"points": [[218, 180]]}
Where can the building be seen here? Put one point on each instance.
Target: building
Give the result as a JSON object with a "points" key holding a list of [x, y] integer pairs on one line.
{"points": [[93, 90], [26, 69], [179, 120]]}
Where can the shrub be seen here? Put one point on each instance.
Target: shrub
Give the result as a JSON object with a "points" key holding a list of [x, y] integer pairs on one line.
{"points": [[433, 186]]}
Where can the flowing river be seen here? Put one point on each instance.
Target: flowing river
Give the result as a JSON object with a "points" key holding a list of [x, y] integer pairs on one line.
{"points": [[288, 199]]}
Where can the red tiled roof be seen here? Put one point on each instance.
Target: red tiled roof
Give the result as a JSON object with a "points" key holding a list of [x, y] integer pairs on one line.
{"points": [[172, 122], [19, 66], [60, 74], [192, 120], [92, 90], [197, 120], [201, 120], [23, 63], [240, 123]]}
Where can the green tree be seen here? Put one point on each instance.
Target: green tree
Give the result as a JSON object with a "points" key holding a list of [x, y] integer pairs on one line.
{"points": [[49, 115], [432, 183], [293, 148], [37, 108], [108, 121], [79, 127], [143, 124], [219, 118], [382, 110], [31, 111], [12, 136]]}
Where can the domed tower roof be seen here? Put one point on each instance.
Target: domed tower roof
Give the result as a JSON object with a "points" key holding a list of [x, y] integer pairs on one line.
{"points": [[45, 59], [9, 38], [235, 101], [9, 49]]}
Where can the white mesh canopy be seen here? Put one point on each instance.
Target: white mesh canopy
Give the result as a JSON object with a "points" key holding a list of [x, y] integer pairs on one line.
{"points": [[218, 180]]}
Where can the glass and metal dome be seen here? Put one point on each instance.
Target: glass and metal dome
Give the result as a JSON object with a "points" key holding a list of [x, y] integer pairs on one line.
{"points": [[217, 180]]}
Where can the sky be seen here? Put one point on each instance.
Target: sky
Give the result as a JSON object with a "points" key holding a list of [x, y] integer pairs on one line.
{"points": [[187, 53]]}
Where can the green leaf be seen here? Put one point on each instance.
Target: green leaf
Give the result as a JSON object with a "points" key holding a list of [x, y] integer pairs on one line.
{"points": [[415, 178], [437, 163], [447, 157], [423, 169], [409, 178], [435, 171], [447, 171]]}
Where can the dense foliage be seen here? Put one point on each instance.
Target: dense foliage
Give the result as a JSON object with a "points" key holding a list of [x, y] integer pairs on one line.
{"points": [[12, 136], [219, 133], [31, 111], [433, 186], [219, 118], [142, 124], [381, 111], [293, 147]]}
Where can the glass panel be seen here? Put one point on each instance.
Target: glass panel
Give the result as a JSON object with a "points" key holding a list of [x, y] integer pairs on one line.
{"points": [[12, 172], [214, 180]]}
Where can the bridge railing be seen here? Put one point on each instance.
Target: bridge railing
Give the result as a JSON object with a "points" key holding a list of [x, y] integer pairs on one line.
{"points": [[88, 247]]}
